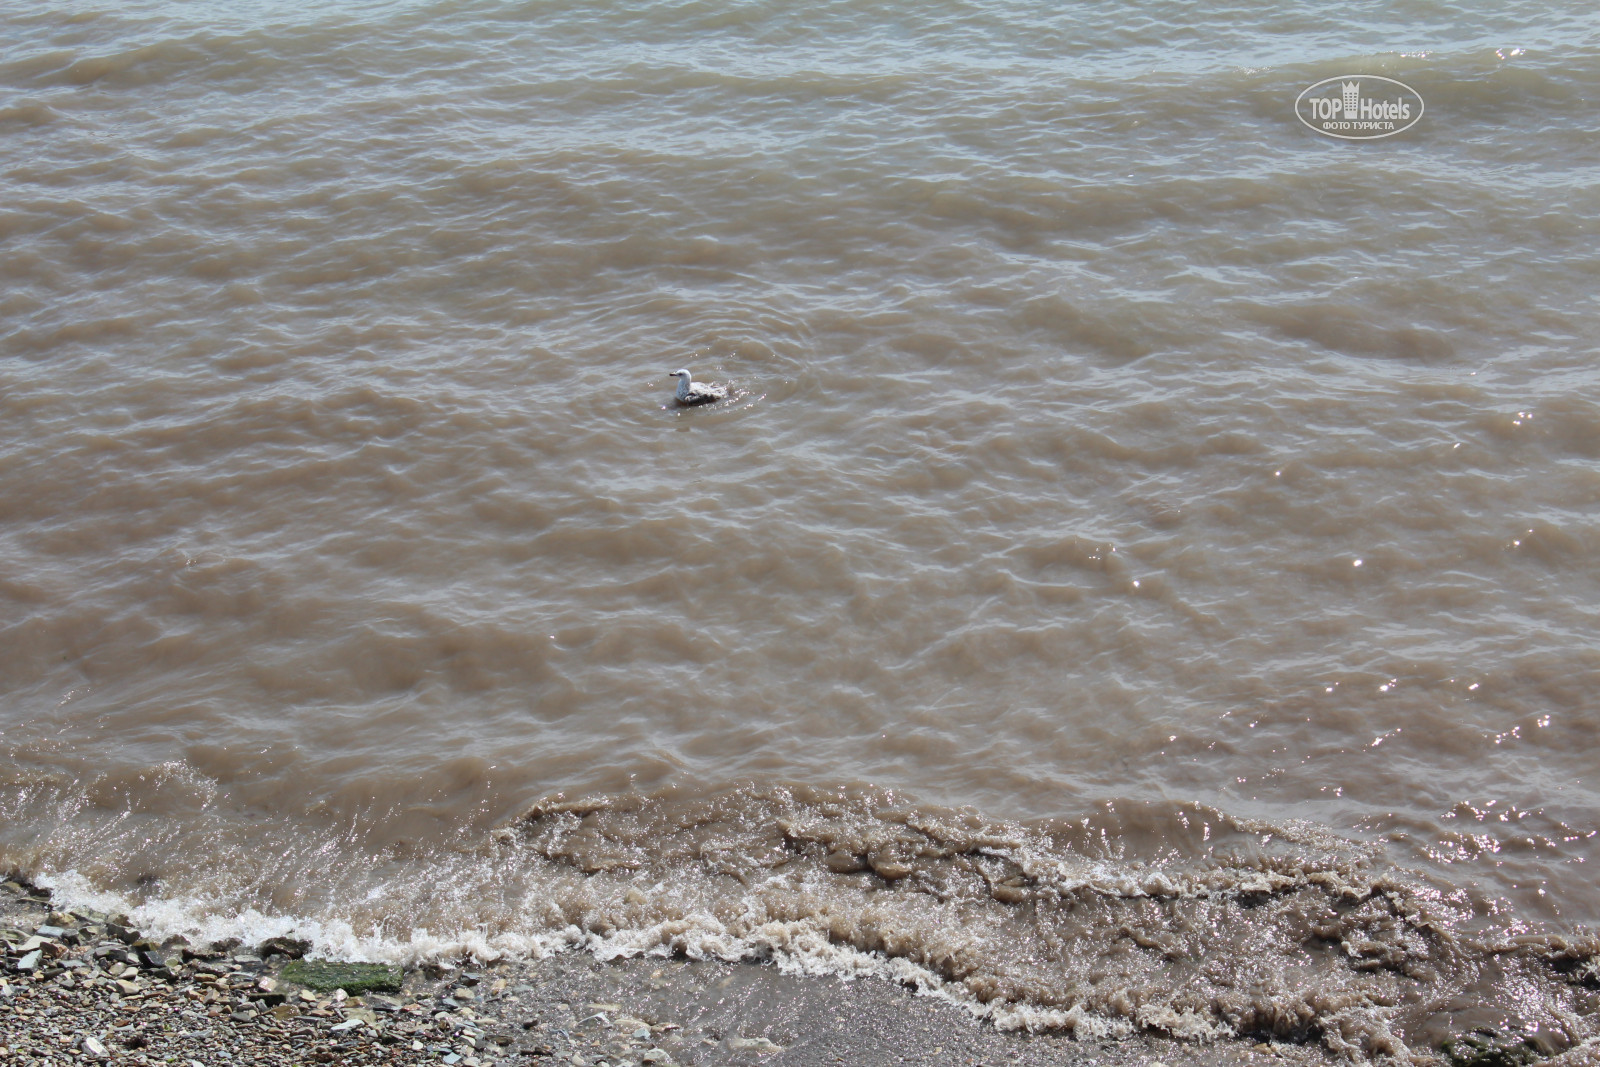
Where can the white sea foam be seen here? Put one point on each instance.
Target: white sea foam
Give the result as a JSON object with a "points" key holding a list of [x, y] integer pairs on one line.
{"points": [[200, 922]]}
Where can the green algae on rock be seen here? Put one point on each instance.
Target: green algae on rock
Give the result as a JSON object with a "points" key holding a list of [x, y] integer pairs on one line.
{"points": [[1482, 1049], [322, 975]]}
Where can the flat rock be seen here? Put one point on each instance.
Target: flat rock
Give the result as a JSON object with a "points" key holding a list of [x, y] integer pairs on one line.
{"points": [[351, 977], [757, 1044], [126, 934]]}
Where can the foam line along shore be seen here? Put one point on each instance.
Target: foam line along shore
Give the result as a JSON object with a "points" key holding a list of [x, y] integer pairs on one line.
{"points": [[97, 988]]}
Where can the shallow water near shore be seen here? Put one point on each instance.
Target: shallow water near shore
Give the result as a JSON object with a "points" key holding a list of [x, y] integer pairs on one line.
{"points": [[1144, 577]]}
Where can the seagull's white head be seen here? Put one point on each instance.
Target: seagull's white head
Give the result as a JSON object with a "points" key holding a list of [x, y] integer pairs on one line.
{"points": [[682, 375]]}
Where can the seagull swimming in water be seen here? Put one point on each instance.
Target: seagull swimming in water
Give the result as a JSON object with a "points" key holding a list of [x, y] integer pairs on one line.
{"points": [[693, 392]]}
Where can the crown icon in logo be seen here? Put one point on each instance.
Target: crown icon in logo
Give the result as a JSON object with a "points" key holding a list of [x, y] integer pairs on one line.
{"points": [[1352, 98]]}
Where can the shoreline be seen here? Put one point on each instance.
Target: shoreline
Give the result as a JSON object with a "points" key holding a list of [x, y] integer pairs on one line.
{"points": [[95, 991]]}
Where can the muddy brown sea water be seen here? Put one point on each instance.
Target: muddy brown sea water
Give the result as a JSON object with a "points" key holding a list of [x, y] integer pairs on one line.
{"points": [[1142, 582]]}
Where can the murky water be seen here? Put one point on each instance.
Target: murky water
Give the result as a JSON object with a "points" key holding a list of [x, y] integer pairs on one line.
{"points": [[1146, 573]]}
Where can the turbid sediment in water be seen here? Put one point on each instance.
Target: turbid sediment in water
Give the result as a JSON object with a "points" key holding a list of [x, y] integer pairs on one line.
{"points": [[1142, 583]]}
